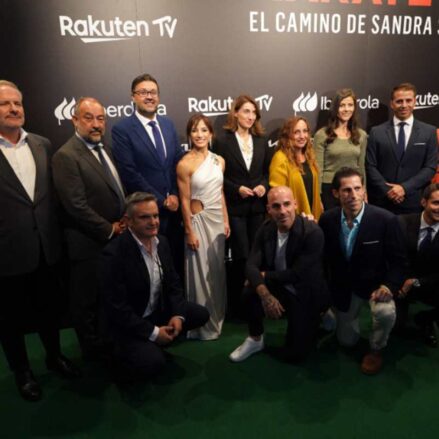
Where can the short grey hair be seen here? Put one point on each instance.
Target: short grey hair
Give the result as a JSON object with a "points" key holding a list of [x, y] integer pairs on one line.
{"points": [[135, 198]]}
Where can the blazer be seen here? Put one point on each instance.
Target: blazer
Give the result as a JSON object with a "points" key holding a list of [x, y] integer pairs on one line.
{"points": [[377, 258], [236, 173], [125, 286], [136, 157], [89, 200], [284, 173], [413, 172], [421, 265], [26, 226], [304, 260]]}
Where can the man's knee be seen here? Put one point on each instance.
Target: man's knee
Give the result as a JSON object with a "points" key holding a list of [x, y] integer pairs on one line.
{"points": [[384, 312]]}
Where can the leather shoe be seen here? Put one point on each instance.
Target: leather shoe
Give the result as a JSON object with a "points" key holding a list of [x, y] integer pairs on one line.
{"points": [[63, 367], [249, 347], [27, 386], [427, 330], [372, 363]]}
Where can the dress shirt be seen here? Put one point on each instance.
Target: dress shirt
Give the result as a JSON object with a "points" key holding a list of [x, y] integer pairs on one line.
{"points": [[407, 128], [247, 153], [423, 230], [22, 162], [348, 235], [145, 122], [154, 267]]}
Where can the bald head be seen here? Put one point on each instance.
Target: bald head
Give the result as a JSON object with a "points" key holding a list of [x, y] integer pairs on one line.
{"points": [[281, 206]]}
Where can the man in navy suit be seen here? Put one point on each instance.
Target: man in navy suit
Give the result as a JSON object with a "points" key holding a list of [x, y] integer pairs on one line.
{"points": [[365, 263], [143, 297], [401, 156], [422, 279]]}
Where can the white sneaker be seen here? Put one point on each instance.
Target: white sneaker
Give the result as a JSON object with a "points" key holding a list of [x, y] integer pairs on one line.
{"points": [[249, 347]]}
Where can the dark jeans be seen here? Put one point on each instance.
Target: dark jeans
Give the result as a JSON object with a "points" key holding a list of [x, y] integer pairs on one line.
{"points": [[302, 317]]}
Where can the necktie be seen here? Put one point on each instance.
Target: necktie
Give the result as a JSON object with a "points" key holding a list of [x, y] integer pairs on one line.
{"points": [[401, 140], [426, 242], [158, 141], [109, 174]]}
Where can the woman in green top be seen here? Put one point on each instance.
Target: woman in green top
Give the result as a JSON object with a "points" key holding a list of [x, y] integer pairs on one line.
{"points": [[341, 143]]}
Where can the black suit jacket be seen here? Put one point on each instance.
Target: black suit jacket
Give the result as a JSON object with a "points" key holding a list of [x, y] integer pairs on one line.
{"points": [[27, 226], [377, 258], [413, 172], [304, 260], [125, 286], [422, 265], [236, 173], [90, 201]]}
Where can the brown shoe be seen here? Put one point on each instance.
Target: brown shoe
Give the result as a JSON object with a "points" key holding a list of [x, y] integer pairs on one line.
{"points": [[372, 363]]}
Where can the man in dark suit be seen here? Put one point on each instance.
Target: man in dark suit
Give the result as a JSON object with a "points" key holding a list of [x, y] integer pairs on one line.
{"points": [[91, 194], [29, 246], [285, 275], [401, 156], [422, 279], [365, 263], [143, 296], [147, 150]]}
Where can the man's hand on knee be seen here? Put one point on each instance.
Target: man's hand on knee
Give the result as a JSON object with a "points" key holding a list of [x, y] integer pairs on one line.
{"points": [[165, 335]]}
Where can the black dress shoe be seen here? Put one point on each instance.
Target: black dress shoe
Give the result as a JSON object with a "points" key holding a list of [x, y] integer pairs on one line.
{"points": [[427, 330], [63, 367], [27, 386]]}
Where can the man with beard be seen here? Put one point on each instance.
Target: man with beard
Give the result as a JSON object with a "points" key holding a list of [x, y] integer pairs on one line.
{"points": [[92, 196]]}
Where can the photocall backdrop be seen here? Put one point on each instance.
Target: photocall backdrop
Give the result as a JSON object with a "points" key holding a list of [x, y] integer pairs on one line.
{"points": [[291, 55]]}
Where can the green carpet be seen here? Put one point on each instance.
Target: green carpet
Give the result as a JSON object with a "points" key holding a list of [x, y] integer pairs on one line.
{"points": [[202, 394]]}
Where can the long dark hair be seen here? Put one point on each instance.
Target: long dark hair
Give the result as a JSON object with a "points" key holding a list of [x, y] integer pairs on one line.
{"points": [[333, 121], [232, 124]]}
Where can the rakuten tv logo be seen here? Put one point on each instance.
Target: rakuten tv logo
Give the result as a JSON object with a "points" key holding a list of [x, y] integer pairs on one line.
{"points": [[65, 109], [98, 31], [217, 107]]}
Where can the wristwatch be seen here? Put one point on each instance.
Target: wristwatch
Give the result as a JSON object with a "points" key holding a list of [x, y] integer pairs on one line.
{"points": [[416, 283]]}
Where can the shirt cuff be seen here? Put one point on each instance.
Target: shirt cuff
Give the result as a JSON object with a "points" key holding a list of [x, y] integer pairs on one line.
{"points": [[154, 334]]}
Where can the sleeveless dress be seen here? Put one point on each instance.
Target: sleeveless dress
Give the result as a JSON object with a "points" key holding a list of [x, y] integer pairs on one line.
{"points": [[204, 269]]}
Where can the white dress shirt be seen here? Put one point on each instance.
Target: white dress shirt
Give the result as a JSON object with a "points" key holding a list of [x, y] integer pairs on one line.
{"points": [[145, 122], [407, 128], [247, 153]]}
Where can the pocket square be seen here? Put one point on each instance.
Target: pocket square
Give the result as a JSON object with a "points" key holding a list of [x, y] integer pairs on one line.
{"points": [[370, 242], [419, 144]]}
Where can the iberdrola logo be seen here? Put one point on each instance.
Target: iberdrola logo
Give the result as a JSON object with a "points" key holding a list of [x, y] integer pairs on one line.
{"points": [[305, 103], [64, 110]]}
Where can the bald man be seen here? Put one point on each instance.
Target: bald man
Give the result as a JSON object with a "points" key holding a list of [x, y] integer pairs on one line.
{"points": [[285, 276]]}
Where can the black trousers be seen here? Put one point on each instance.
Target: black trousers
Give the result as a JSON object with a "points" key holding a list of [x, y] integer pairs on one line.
{"points": [[143, 359], [29, 302], [301, 314]]}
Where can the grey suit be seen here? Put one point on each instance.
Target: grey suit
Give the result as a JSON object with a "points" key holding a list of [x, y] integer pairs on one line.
{"points": [[29, 249], [413, 172], [90, 205]]}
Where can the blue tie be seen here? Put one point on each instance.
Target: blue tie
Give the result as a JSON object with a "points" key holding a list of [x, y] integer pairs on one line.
{"points": [[401, 140], [158, 141]]}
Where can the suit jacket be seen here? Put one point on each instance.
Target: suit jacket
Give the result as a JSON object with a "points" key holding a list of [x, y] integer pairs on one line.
{"points": [[377, 258], [422, 265], [27, 226], [138, 162], [413, 172], [125, 286], [304, 260], [90, 201], [236, 173]]}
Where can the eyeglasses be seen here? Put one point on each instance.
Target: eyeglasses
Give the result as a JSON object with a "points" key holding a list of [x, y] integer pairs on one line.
{"points": [[143, 92]]}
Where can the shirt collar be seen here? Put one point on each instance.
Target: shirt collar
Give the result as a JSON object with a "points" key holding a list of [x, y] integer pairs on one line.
{"points": [[408, 121], [144, 120], [155, 242], [424, 224], [21, 141], [357, 219]]}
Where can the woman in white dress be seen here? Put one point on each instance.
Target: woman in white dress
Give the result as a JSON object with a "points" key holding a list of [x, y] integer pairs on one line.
{"points": [[206, 225]]}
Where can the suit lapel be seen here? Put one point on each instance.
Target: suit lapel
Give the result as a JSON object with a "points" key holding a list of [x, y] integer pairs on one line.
{"points": [[8, 175], [258, 153], [413, 136], [390, 130], [40, 158], [235, 151], [270, 244]]}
